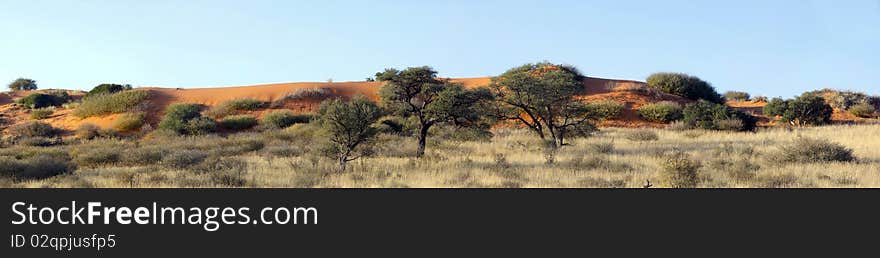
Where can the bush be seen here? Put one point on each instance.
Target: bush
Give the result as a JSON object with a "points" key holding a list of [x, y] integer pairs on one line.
{"points": [[23, 84], [232, 107], [105, 104], [200, 126], [711, 116], [605, 109], [42, 113], [131, 121], [44, 166], [38, 141], [808, 109], [685, 85], [238, 122], [303, 95], [737, 96], [841, 100], [40, 100], [178, 115], [642, 135], [807, 150], [33, 129], [183, 159], [106, 89], [283, 119], [88, 131], [863, 110], [661, 112], [98, 157], [760, 99], [776, 107], [679, 171], [142, 156]]}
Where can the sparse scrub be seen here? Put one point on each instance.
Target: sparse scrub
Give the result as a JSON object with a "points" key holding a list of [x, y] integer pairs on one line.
{"points": [[42, 113], [806, 150], [680, 171], [182, 159], [314, 95], [129, 122], [642, 136], [661, 112], [33, 129], [711, 116], [105, 104], [87, 131]]}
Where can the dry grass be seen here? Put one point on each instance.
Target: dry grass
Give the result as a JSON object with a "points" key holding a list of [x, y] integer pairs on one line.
{"points": [[514, 158]]}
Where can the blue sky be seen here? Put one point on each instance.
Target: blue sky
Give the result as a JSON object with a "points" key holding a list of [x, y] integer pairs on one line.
{"points": [[773, 48]]}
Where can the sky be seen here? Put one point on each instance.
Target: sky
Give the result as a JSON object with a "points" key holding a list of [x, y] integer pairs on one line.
{"points": [[770, 48]]}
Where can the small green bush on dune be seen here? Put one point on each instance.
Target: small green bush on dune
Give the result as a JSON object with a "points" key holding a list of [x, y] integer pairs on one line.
{"points": [[685, 85], [235, 106], [863, 110], [238, 122], [41, 100], [711, 116], [178, 115], [104, 89], [661, 112], [806, 150], [737, 96], [105, 104], [605, 109], [283, 119]]}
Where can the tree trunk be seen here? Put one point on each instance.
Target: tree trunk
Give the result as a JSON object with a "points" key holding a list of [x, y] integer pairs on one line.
{"points": [[342, 163], [423, 138]]}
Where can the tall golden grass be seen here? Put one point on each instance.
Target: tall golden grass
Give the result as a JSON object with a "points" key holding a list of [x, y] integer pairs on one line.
{"points": [[513, 158]]}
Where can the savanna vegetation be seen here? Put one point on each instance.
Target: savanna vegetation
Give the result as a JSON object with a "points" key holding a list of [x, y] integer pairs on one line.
{"points": [[527, 128]]}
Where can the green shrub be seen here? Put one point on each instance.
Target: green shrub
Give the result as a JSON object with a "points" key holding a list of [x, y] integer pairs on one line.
{"points": [[238, 147], [841, 100], [808, 109], [661, 112], [33, 129], [238, 122], [684, 85], [105, 104], [130, 121], [680, 171], [806, 150], [42, 113], [183, 158], [283, 119], [200, 126], [711, 116], [106, 89], [23, 84], [737, 96], [863, 110], [776, 107], [178, 115], [232, 107], [40, 100], [605, 109], [303, 95], [642, 136], [87, 131]]}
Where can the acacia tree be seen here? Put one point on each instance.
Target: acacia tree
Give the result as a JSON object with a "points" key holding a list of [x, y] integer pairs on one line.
{"points": [[23, 84], [349, 125], [542, 97], [417, 92]]}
